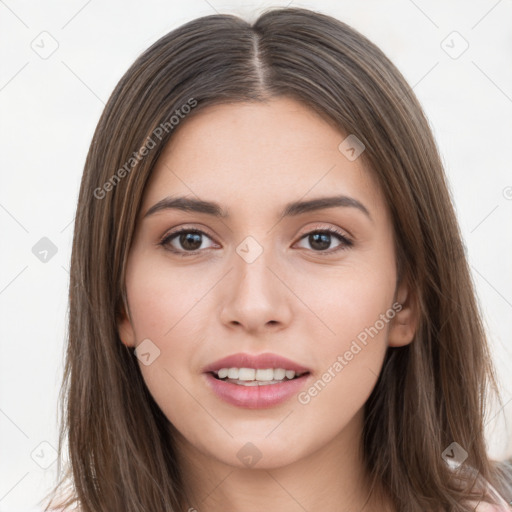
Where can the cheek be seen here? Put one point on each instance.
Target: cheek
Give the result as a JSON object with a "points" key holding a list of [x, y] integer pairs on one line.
{"points": [[349, 303], [363, 313], [356, 313], [164, 301], [167, 307], [349, 361]]}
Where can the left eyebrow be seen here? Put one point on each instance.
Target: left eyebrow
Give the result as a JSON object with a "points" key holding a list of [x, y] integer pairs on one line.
{"points": [[190, 204]]}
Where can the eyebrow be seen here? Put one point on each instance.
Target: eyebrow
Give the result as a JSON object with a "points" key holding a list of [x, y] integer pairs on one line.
{"points": [[190, 204]]}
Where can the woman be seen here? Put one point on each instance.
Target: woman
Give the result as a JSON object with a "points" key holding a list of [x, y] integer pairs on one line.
{"points": [[270, 305]]}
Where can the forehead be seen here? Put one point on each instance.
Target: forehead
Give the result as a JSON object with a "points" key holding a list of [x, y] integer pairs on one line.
{"points": [[257, 156]]}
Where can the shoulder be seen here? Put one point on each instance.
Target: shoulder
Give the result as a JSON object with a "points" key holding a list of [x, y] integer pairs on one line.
{"points": [[59, 505], [58, 508], [489, 507], [487, 498]]}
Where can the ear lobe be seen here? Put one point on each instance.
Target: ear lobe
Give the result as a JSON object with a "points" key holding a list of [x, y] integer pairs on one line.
{"points": [[125, 329], [403, 326]]}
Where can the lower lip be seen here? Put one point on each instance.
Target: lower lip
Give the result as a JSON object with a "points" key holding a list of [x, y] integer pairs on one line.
{"points": [[255, 397]]}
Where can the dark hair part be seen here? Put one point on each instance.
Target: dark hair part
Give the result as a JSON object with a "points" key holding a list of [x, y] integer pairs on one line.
{"points": [[429, 394]]}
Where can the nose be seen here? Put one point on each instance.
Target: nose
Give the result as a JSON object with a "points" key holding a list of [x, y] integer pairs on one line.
{"points": [[256, 296]]}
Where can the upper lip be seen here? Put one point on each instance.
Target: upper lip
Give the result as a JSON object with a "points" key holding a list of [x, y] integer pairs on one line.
{"points": [[266, 360]]}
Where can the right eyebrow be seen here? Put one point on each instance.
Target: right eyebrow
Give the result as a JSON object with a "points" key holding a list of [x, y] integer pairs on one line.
{"points": [[190, 204]]}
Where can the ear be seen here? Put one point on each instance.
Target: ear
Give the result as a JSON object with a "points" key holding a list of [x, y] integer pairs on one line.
{"points": [[404, 324], [125, 328]]}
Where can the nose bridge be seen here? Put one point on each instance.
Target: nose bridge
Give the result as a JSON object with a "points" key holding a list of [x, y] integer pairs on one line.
{"points": [[255, 296], [252, 262]]}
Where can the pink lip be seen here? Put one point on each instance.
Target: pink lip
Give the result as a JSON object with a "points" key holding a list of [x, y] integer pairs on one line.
{"points": [[255, 397], [266, 360]]}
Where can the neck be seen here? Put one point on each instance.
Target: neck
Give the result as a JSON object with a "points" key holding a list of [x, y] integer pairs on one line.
{"points": [[331, 478]]}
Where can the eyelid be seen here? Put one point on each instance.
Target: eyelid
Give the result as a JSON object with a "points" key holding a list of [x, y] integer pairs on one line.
{"points": [[345, 239], [188, 229], [319, 226]]}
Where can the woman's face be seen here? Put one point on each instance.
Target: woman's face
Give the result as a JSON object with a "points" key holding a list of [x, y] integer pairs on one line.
{"points": [[257, 282]]}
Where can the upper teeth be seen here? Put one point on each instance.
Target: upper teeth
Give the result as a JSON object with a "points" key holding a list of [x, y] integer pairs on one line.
{"points": [[267, 374]]}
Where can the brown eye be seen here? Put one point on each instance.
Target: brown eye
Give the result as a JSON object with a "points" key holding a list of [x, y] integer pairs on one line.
{"points": [[321, 240], [187, 240]]}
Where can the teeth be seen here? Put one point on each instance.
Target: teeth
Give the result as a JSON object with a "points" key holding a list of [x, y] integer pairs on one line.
{"points": [[254, 382], [257, 375], [233, 373], [290, 374], [246, 374], [265, 375], [279, 374]]}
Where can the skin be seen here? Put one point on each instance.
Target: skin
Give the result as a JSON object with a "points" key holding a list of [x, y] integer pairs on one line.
{"points": [[295, 300]]}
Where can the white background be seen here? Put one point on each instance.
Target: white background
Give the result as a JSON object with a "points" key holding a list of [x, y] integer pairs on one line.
{"points": [[49, 109]]}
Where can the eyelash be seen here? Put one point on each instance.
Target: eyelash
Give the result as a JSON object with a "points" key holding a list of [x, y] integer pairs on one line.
{"points": [[346, 243]]}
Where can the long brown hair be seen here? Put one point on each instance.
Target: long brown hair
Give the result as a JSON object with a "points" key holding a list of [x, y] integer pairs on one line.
{"points": [[430, 393]]}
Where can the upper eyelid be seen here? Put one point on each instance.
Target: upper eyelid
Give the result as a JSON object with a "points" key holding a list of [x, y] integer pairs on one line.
{"points": [[331, 229], [185, 229], [204, 230]]}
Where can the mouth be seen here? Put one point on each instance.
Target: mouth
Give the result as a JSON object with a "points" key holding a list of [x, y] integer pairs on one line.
{"points": [[256, 376], [256, 381]]}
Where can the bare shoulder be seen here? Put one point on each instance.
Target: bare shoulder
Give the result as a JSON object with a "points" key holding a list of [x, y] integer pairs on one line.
{"points": [[489, 507], [59, 505], [58, 508]]}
